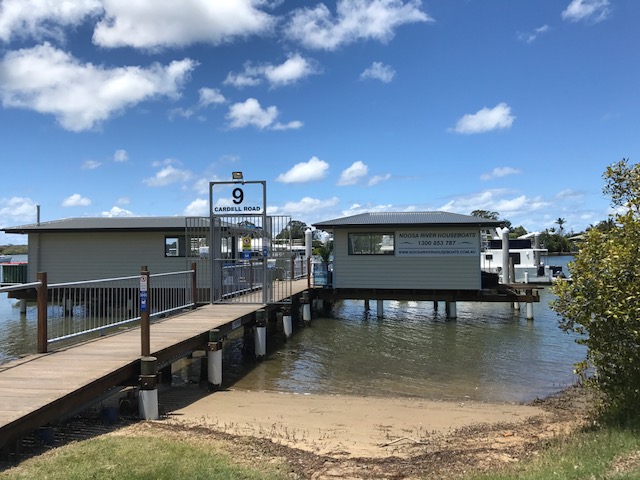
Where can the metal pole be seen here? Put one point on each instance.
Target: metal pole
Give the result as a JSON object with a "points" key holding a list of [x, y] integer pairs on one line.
{"points": [[145, 327], [42, 292], [194, 284]]}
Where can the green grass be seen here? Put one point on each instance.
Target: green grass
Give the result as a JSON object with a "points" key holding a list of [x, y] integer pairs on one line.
{"points": [[140, 457], [608, 453]]}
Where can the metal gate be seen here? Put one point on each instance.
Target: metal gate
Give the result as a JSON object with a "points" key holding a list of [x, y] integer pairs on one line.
{"points": [[250, 258]]}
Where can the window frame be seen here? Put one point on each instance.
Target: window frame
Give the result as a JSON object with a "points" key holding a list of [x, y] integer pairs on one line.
{"points": [[372, 243]]}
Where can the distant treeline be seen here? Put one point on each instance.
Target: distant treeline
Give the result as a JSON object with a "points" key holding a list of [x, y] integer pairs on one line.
{"points": [[13, 249]]}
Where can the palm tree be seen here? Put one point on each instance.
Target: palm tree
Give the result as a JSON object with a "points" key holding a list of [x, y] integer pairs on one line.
{"points": [[561, 221]]}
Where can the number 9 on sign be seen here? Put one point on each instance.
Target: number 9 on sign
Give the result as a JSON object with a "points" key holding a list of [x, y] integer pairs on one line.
{"points": [[238, 196]]}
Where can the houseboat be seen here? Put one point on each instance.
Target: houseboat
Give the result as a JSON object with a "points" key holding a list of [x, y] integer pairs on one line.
{"points": [[526, 258]]}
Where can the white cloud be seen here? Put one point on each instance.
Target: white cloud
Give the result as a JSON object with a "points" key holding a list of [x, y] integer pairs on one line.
{"points": [[587, 10], [162, 24], [117, 212], [354, 20], [91, 164], [376, 179], [123, 201], [251, 113], [529, 37], [76, 200], [486, 120], [197, 208], [80, 96], [295, 68], [307, 205], [167, 175], [500, 172], [379, 71], [121, 156], [43, 18], [313, 170], [17, 209], [495, 200], [209, 96], [351, 175]]}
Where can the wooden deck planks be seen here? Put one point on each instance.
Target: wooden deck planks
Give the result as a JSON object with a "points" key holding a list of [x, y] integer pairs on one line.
{"points": [[32, 383]]}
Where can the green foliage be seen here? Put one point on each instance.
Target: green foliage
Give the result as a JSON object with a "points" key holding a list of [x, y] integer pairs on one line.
{"points": [[602, 302], [295, 228], [485, 214], [555, 242], [517, 232], [13, 249], [324, 250]]}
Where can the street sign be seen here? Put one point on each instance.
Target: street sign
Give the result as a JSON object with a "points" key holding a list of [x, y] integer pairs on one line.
{"points": [[143, 293]]}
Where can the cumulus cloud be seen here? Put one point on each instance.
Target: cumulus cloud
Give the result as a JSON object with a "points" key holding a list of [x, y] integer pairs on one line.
{"points": [[495, 200], [159, 24], [167, 175], [250, 113], [486, 120], [307, 205], [587, 10], [76, 200], [16, 208], [354, 20], [529, 37], [43, 18], [117, 212], [295, 68], [197, 208], [313, 170], [210, 96], [500, 172], [351, 175], [378, 71], [81, 95], [121, 156]]}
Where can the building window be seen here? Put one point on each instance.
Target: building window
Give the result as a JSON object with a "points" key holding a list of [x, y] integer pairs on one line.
{"points": [[371, 243], [174, 247]]}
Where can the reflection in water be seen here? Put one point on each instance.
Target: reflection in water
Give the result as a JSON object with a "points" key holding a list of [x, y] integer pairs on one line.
{"points": [[491, 352]]}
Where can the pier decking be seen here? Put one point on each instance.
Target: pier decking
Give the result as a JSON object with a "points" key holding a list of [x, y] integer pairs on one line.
{"points": [[42, 388]]}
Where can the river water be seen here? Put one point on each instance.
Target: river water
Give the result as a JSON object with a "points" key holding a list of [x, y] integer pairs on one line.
{"points": [[491, 352]]}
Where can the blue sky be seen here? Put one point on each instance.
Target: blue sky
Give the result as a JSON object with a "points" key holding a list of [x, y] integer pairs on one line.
{"points": [[121, 107]]}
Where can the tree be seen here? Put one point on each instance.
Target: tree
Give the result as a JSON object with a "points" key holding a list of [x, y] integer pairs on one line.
{"points": [[517, 232], [602, 301], [295, 229], [560, 222], [485, 214]]}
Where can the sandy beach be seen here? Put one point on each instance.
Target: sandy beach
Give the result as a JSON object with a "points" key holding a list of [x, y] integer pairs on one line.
{"points": [[345, 426]]}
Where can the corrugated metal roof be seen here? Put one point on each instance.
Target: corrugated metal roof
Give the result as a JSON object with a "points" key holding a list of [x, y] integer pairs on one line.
{"points": [[407, 219], [102, 223]]}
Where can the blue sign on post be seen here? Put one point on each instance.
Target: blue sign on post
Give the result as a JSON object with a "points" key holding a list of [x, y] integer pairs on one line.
{"points": [[265, 251], [246, 255], [143, 293]]}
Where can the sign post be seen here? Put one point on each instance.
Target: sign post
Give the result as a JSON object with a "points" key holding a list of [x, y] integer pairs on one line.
{"points": [[238, 198], [145, 327]]}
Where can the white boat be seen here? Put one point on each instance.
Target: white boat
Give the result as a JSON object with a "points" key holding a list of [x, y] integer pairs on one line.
{"points": [[5, 258], [525, 257]]}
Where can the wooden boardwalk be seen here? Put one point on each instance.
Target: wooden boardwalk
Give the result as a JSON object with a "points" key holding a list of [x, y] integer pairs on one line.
{"points": [[39, 389]]}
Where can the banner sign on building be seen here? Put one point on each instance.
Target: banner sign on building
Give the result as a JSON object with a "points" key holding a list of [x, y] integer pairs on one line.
{"points": [[437, 243]]}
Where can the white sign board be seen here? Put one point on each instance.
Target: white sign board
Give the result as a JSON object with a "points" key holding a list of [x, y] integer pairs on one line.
{"points": [[437, 243], [237, 198]]}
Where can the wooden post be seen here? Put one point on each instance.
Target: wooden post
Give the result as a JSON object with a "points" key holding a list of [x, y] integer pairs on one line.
{"points": [[145, 327], [42, 294], [194, 285]]}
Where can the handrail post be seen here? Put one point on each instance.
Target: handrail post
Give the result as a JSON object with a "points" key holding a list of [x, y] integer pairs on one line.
{"points": [[145, 327], [308, 272], [293, 267], [194, 284], [42, 291]]}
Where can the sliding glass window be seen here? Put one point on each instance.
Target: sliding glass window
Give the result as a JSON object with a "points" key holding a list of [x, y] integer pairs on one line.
{"points": [[371, 243]]}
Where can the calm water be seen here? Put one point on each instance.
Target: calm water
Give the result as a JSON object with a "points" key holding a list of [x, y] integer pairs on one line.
{"points": [[491, 352]]}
